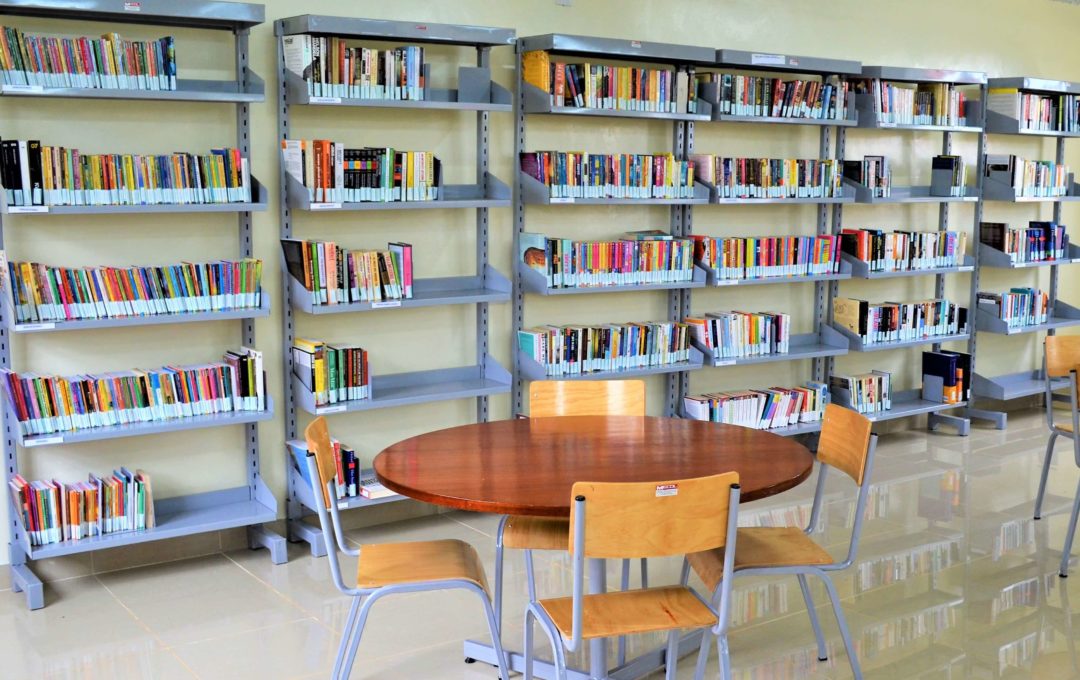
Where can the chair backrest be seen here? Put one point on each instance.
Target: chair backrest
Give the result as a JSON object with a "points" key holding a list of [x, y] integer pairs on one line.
{"points": [[318, 442], [322, 470], [653, 519], [844, 442], [586, 398], [1062, 354]]}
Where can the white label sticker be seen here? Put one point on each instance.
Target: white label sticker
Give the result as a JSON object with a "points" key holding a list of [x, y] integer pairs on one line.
{"points": [[23, 88], [44, 441], [887, 125], [636, 44], [324, 100], [727, 282], [758, 59], [1021, 265], [325, 206], [667, 490], [27, 209], [23, 327], [564, 199], [339, 408], [132, 6], [725, 362], [386, 304], [1076, 259]]}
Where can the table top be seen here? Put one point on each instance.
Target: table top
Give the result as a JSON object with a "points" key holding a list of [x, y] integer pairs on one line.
{"points": [[528, 466]]}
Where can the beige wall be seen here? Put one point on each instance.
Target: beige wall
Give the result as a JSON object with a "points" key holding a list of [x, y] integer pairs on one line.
{"points": [[1001, 37]]}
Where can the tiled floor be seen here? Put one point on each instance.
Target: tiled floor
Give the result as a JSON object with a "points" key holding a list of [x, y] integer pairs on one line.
{"points": [[953, 580]]}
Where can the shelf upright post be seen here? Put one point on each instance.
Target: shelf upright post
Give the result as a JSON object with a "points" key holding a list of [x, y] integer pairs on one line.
{"points": [[483, 60], [837, 222], [519, 226], [818, 365], [679, 300]]}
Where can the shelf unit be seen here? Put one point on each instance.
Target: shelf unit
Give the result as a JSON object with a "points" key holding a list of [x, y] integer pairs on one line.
{"points": [[910, 402], [531, 101], [476, 92], [250, 505], [1029, 382]]}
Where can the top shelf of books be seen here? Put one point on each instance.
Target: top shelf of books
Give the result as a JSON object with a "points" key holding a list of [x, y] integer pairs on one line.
{"points": [[1034, 85], [786, 63], [634, 50], [378, 29], [208, 14], [924, 75]]}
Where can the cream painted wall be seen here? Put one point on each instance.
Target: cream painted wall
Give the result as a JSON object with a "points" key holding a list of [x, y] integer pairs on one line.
{"points": [[1001, 37]]}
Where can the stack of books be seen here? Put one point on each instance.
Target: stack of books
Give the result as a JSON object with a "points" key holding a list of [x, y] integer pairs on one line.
{"points": [[764, 409], [739, 258], [33, 174], [45, 293], [1041, 112], [335, 275], [332, 374], [53, 403], [899, 103], [948, 176], [871, 172], [765, 97], [865, 392], [904, 250], [333, 69], [574, 350], [641, 258], [1038, 179], [613, 88], [1018, 307], [769, 177], [350, 481], [734, 335], [570, 174], [949, 370], [55, 512], [1039, 242], [108, 62], [334, 174], [878, 322]]}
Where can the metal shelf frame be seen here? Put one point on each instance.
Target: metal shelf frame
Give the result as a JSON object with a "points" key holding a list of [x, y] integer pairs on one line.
{"points": [[475, 92], [251, 505]]}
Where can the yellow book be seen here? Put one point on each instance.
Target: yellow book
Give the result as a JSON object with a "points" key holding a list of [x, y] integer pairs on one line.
{"points": [[410, 168], [536, 69]]}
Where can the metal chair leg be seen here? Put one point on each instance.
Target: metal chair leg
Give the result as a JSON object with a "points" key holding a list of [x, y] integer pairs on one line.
{"points": [[841, 622], [822, 650], [498, 597], [1045, 475], [530, 575], [346, 634], [354, 643], [496, 634], [1069, 534], [527, 673], [725, 657], [703, 655], [671, 657], [558, 653], [644, 572], [625, 585]]}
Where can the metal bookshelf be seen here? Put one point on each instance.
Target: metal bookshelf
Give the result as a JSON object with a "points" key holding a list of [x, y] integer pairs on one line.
{"points": [[1028, 382], [475, 92], [910, 402], [250, 505]]}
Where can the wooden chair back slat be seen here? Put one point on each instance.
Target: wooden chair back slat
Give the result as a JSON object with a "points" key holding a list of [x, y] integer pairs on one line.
{"points": [[845, 441], [318, 441], [1062, 354], [586, 398]]}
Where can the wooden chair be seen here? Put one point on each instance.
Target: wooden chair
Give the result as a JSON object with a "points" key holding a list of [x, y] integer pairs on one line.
{"points": [[1062, 359], [550, 398], [388, 568], [632, 520], [846, 444]]}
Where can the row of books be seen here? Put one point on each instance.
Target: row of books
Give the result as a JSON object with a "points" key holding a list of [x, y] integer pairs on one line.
{"points": [[334, 174], [55, 512], [863, 392], [769, 177], [890, 568], [733, 335], [872, 172], [612, 88], [764, 409], [1029, 178], [761, 96], [350, 480], [332, 374], [904, 250], [948, 176], [644, 257], [335, 275], [953, 369], [574, 350], [46, 404], [45, 293], [899, 103], [108, 62], [1018, 307], [740, 258], [333, 69], [1036, 111], [575, 174], [33, 174], [876, 322], [1039, 242]]}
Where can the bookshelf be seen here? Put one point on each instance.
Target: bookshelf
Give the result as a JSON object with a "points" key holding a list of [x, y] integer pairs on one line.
{"points": [[476, 93], [253, 504], [1025, 383], [910, 402]]}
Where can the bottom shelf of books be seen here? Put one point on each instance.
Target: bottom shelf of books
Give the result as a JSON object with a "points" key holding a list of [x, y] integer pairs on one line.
{"points": [[357, 487]]}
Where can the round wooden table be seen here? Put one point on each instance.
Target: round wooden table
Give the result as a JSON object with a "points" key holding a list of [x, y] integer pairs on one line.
{"points": [[528, 466]]}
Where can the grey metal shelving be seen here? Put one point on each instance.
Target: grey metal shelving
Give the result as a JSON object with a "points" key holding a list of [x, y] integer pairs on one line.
{"points": [[825, 343], [534, 282], [475, 92], [253, 504], [861, 270], [903, 194]]}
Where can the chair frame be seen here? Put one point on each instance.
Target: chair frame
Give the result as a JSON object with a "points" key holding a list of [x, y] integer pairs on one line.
{"points": [[1073, 400], [365, 598], [721, 605]]}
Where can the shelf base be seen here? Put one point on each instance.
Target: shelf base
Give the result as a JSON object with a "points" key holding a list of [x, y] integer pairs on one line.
{"points": [[23, 580]]}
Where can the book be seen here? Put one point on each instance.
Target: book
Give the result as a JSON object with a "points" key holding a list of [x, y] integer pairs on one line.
{"points": [[948, 176], [614, 88], [332, 173], [332, 68], [577, 174], [741, 258], [574, 350], [641, 258], [864, 392], [761, 409], [880, 322], [335, 275], [372, 489], [901, 103], [1018, 307], [1039, 242], [1039, 179], [332, 374], [769, 177], [735, 335], [765, 97], [904, 250], [1038, 111], [953, 370], [871, 172]]}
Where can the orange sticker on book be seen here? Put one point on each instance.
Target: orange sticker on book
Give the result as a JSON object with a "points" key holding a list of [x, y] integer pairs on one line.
{"points": [[667, 490]]}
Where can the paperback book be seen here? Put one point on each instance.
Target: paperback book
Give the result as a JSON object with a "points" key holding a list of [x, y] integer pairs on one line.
{"points": [[763, 409], [335, 275], [735, 335], [769, 177], [864, 392], [882, 322], [1036, 111], [640, 258], [1018, 307], [333, 68], [332, 173], [871, 172], [575, 350], [1036, 179], [904, 250], [764, 257], [576, 174], [765, 97], [900, 103], [1039, 242], [333, 374]]}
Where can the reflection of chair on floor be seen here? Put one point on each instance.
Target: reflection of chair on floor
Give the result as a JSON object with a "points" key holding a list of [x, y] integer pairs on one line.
{"points": [[388, 568], [1062, 359]]}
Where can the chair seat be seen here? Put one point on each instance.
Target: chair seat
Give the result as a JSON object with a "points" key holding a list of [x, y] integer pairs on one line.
{"points": [[385, 564], [537, 533], [631, 611], [1064, 426], [760, 547]]}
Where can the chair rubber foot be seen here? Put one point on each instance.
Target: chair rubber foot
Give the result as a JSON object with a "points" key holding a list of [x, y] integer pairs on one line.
{"points": [[1038, 517], [1063, 575], [823, 658], [469, 659]]}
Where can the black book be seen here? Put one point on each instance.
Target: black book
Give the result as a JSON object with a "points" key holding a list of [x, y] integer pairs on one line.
{"points": [[33, 157], [293, 249]]}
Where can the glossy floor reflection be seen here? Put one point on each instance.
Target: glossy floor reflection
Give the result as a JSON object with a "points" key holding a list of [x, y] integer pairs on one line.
{"points": [[953, 580]]}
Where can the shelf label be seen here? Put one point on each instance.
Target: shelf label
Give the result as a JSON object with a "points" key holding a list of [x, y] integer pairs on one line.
{"points": [[339, 408], [132, 6], [758, 59], [23, 88], [725, 362], [386, 304], [727, 282], [636, 44], [325, 206], [565, 199], [324, 100], [27, 209], [24, 327], [1022, 265], [44, 441], [1075, 260], [890, 124]]}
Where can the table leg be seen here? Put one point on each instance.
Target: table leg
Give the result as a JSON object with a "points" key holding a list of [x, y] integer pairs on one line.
{"points": [[598, 648]]}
